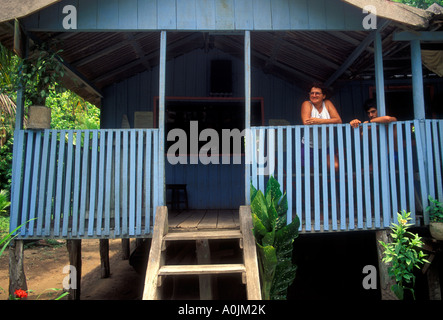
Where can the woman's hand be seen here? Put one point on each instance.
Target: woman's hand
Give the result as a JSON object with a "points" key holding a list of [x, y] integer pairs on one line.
{"points": [[355, 123]]}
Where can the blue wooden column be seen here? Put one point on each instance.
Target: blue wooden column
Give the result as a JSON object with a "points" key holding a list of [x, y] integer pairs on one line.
{"points": [[247, 45], [417, 80], [161, 120], [379, 75]]}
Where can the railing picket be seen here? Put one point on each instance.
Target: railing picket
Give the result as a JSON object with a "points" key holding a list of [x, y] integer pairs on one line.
{"points": [[27, 180], [108, 181], [42, 183], [350, 180], [324, 162], [367, 177], [101, 181], [59, 186], [358, 178], [307, 179], [93, 183], [342, 181], [316, 177], [332, 178], [289, 172], [384, 176], [401, 167], [68, 184], [393, 170], [35, 180], [410, 165], [84, 183], [437, 161], [298, 185], [280, 178], [132, 182], [124, 181], [51, 183], [148, 182], [375, 174], [117, 186], [139, 191], [421, 154], [16, 194], [77, 183]]}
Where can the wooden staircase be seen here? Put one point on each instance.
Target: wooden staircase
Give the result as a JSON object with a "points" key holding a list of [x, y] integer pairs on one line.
{"points": [[157, 269]]}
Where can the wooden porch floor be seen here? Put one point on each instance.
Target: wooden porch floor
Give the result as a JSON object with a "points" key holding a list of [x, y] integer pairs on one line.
{"points": [[203, 219]]}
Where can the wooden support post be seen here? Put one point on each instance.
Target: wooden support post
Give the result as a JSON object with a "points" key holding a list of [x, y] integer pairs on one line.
{"points": [[126, 248], [75, 259], [104, 258], [385, 281], [204, 257], [17, 279]]}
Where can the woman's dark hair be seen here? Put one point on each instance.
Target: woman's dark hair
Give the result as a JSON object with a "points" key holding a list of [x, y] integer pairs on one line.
{"points": [[321, 86]]}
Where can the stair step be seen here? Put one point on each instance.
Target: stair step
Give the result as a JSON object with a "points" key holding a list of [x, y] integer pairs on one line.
{"points": [[201, 269], [201, 235]]}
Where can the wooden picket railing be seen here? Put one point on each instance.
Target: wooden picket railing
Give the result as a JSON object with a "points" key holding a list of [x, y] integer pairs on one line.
{"points": [[351, 179], [85, 183]]}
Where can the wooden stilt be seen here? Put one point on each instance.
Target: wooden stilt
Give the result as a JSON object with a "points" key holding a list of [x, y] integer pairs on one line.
{"points": [[75, 259], [126, 249], [104, 258], [385, 281], [17, 279], [204, 257]]}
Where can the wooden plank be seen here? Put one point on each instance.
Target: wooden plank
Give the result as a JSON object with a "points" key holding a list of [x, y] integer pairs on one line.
{"points": [[186, 14], [262, 15], [93, 183], [198, 235], [148, 182], [26, 180], [325, 195], [307, 182], [108, 185], [59, 186], [209, 221], [147, 14], [350, 180], [201, 269], [332, 177], [205, 15], [244, 19], [342, 181], [139, 191], [225, 219], [156, 255], [124, 186], [224, 14], [289, 172], [50, 186], [35, 179], [132, 181], [193, 220], [249, 254], [68, 183], [101, 182], [84, 182], [117, 186], [316, 177], [77, 180]]}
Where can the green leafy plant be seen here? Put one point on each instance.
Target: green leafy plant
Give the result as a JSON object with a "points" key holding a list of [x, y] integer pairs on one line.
{"points": [[404, 254], [274, 238], [4, 201], [435, 210], [39, 73]]}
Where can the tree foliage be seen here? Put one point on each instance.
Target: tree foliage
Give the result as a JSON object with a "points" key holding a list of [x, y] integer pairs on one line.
{"points": [[422, 4]]}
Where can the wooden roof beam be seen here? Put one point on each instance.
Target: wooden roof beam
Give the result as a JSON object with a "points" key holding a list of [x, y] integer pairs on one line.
{"points": [[355, 54]]}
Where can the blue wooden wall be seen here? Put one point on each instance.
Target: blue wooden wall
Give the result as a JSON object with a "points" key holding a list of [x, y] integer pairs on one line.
{"points": [[106, 15]]}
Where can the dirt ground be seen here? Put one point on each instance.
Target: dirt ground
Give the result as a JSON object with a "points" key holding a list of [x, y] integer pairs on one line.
{"points": [[44, 271]]}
